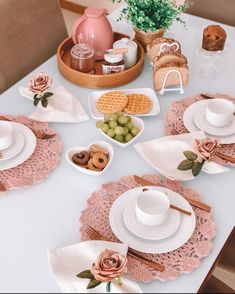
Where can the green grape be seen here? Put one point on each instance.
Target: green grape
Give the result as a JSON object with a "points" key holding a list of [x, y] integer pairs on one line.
{"points": [[105, 128], [106, 117], [118, 130], [129, 118], [113, 124], [99, 124], [113, 117], [135, 131], [130, 125], [122, 120], [125, 131], [128, 137], [119, 113], [119, 138], [111, 133]]}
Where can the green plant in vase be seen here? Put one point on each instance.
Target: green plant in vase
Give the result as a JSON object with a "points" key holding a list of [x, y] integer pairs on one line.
{"points": [[151, 18]]}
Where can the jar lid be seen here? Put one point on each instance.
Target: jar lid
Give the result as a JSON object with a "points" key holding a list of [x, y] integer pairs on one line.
{"points": [[82, 51], [125, 43], [113, 58]]}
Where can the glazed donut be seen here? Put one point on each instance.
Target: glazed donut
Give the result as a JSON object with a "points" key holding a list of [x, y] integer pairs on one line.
{"points": [[100, 160], [91, 166], [81, 158]]}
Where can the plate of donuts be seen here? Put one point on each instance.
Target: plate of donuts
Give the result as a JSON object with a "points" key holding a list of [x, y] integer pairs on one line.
{"points": [[92, 160]]}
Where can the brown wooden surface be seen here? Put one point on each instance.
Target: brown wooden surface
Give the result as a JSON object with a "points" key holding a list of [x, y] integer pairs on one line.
{"points": [[98, 80], [214, 285], [71, 6]]}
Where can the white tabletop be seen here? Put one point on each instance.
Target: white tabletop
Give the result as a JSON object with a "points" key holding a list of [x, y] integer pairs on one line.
{"points": [[47, 215]]}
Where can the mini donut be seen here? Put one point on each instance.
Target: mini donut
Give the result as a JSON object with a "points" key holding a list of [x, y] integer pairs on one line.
{"points": [[100, 160], [96, 148], [91, 166], [81, 158]]}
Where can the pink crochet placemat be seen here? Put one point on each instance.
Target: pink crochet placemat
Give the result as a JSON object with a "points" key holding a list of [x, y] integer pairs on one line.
{"points": [[174, 120], [183, 260], [38, 167]]}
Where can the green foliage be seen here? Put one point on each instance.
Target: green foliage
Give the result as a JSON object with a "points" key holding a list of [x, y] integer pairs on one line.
{"points": [[150, 15]]}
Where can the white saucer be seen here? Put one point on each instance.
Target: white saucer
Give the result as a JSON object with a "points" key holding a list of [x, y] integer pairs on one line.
{"points": [[15, 148], [178, 239], [203, 124], [141, 230], [191, 126], [26, 153]]}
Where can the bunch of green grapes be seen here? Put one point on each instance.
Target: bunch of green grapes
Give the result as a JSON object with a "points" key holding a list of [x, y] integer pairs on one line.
{"points": [[119, 127]]}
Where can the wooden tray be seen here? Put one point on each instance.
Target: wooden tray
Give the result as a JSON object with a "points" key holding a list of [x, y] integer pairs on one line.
{"points": [[98, 80]]}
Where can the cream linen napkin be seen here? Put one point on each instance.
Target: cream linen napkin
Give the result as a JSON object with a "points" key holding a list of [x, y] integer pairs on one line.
{"points": [[62, 107], [166, 153], [69, 261]]}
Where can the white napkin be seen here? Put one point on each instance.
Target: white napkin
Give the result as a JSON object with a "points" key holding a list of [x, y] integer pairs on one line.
{"points": [[62, 107], [69, 261], [165, 154]]}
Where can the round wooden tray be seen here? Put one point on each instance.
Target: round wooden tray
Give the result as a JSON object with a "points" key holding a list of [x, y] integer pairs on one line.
{"points": [[97, 80]]}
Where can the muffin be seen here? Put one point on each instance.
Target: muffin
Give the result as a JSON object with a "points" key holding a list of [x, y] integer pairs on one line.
{"points": [[214, 37]]}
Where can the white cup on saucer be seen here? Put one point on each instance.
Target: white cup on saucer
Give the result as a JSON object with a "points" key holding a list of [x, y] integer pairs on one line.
{"points": [[6, 136], [219, 112], [152, 207]]}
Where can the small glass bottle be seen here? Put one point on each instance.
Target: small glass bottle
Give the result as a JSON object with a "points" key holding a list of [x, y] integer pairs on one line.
{"points": [[113, 63], [83, 58]]}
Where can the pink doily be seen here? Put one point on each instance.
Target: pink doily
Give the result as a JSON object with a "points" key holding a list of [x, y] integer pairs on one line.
{"points": [[174, 119], [38, 167], [182, 260]]}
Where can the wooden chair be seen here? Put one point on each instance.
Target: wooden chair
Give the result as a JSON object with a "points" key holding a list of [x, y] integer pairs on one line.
{"points": [[221, 11], [30, 32]]}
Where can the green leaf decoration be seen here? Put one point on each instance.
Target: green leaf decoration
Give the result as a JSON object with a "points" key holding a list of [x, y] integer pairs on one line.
{"points": [[35, 96], [190, 155], [36, 101], [47, 95], [44, 102], [197, 167], [108, 287], [93, 283], [86, 275], [185, 165]]}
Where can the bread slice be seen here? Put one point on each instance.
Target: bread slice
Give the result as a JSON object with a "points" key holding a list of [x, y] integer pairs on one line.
{"points": [[153, 49], [173, 78], [169, 57]]}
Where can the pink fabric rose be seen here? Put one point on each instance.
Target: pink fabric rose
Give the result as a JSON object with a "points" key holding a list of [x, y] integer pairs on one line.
{"points": [[109, 265], [207, 147], [40, 83]]}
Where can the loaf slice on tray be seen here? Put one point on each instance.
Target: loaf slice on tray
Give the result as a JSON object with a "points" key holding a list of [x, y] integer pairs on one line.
{"points": [[171, 45], [173, 78], [169, 57]]}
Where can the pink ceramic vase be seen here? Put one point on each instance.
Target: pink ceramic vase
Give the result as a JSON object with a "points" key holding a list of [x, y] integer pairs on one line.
{"points": [[94, 29]]}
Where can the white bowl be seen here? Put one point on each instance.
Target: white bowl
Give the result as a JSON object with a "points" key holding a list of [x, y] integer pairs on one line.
{"points": [[6, 136], [72, 151], [137, 123]]}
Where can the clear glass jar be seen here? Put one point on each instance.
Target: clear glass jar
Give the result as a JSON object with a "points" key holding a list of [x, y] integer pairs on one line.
{"points": [[83, 58]]}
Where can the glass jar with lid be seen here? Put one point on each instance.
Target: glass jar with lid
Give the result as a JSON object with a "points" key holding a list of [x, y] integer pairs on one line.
{"points": [[113, 63], [83, 58]]}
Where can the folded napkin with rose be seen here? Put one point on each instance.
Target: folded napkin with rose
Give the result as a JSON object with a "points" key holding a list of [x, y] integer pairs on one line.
{"points": [[92, 266], [57, 105]]}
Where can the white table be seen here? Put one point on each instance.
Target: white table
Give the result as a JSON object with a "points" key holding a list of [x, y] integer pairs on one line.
{"points": [[47, 215]]}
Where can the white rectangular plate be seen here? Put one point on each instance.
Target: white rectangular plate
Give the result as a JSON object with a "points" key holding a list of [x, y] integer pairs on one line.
{"points": [[94, 96]]}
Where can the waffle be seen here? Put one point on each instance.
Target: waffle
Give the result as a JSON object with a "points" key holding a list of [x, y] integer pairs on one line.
{"points": [[112, 102], [138, 104]]}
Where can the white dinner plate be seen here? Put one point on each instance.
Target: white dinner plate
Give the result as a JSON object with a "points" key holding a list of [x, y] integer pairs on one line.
{"points": [[15, 148], [191, 126], [94, 96], [203, 124], [178, 239], [143, 231], [26, 153]]}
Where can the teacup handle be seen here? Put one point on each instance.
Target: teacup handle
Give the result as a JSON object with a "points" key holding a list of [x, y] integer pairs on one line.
{"points": [[75, 28]]}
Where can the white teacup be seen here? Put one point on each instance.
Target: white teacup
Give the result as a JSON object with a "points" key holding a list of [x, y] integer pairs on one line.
{"points": [[152, 207], [219, 112], [6, 137]]}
